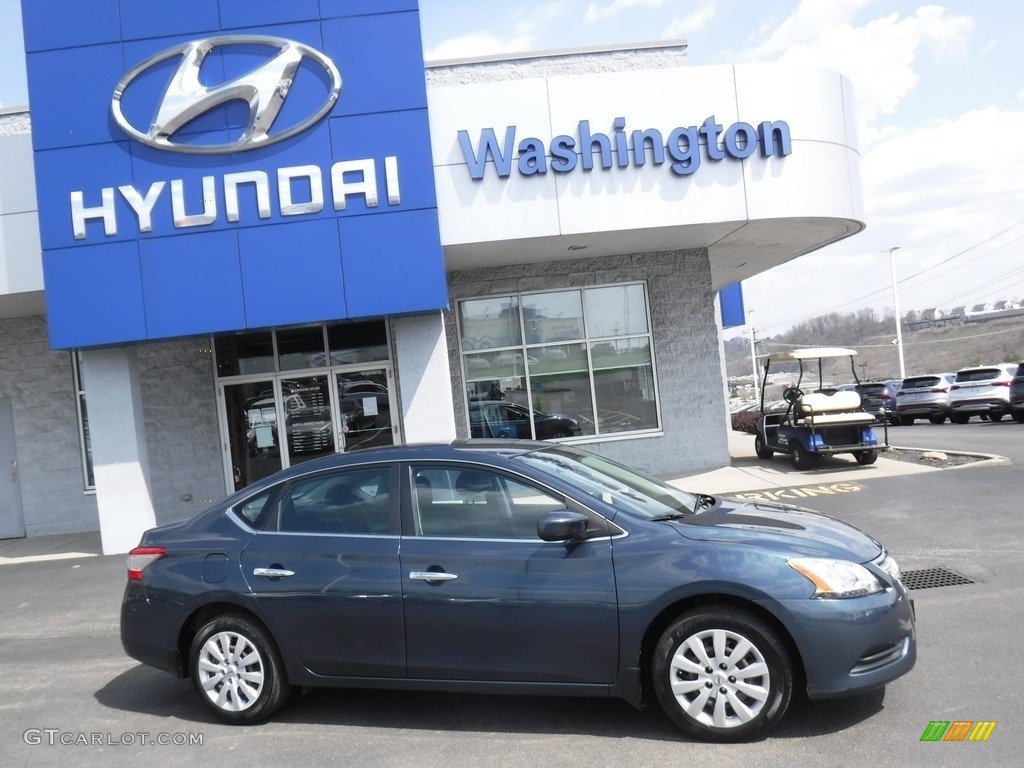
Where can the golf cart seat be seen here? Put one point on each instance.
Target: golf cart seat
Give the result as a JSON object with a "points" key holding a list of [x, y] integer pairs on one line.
{"points": [[834, 407]]}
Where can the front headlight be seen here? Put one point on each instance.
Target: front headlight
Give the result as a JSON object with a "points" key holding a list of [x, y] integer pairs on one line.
{"points": [[836, 578]]}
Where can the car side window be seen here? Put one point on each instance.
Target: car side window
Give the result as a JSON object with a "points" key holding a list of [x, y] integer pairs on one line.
{"points": [[252, 508], [471, 502], [348, 502]]}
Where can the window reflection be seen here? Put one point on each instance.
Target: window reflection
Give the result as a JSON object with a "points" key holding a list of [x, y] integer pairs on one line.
{"points": [[602, 385], [241, 354], [617, 310], [300, 347], [490, 323]]}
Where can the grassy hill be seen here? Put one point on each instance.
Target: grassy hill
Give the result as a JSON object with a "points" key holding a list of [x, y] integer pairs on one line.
{"points": [[928, 350]]}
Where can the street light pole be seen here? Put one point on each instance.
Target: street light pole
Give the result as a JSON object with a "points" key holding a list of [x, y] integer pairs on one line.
{"points": [[753, 357], [896, 304]]}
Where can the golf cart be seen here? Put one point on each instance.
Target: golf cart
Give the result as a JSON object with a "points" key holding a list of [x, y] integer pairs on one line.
{"points": [[816, 423]]}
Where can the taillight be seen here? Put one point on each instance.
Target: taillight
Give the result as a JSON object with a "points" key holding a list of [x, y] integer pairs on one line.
{"points": [[901, 392], [1000, 383], [885, 397], [955, 386], [942, 390], [140, 557]]}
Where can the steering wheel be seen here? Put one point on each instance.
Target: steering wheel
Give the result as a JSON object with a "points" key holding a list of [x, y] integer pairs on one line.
{"points": [[791, 394]]}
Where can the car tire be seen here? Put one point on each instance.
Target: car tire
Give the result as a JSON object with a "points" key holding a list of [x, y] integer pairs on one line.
{"points": [[762, 450], [959, 418], [802, 459], [907, 421], [706, 690], [1018, 416], [558, 433], [937, 419], [866, 457], [995, 417], [237, 671]]}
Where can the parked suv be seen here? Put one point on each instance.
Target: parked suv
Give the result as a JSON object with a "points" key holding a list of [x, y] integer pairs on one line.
{"points": [[925, 396], [981, 391], [879, 399], [1017, 394]]}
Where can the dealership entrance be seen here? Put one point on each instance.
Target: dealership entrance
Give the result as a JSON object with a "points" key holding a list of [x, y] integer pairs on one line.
{"points": [[283, 402]]}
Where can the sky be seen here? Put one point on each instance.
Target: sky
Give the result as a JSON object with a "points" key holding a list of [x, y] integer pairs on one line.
{"points": [[940, 105]]}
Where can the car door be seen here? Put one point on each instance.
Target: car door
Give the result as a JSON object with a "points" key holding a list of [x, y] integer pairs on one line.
{"points": [[325, 572], [485, 598]]}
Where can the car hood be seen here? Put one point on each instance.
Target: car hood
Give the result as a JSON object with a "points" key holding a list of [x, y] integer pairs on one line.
{"points": [[802, 531]]}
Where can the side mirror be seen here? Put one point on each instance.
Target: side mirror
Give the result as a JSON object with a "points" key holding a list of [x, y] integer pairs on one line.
{"points": [[562, 525]]}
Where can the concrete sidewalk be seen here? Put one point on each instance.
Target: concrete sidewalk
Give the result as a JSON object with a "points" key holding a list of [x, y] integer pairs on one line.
{"points": [[746, 473]]}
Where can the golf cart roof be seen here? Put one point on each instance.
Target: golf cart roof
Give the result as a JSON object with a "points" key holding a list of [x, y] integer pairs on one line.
{"points": [[811, 353]]}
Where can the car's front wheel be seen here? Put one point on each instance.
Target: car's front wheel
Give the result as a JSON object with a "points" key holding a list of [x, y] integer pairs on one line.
{"points": [[937, 419], [236, 670], [907, 421], [762, 450], [959, 418], [722, 675], [995, 417]]}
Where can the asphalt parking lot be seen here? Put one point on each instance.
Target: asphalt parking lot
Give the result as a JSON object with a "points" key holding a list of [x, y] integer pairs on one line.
{"points": [[71, 697]]}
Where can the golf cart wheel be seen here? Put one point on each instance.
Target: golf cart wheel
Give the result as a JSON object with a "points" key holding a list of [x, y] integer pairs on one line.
{"points": [[802, 458], [762, 450], [866, 457]]}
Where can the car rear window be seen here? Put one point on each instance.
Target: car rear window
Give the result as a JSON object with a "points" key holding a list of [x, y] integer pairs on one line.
{"points": [[981, 374], [920, 381], [871, 389]]}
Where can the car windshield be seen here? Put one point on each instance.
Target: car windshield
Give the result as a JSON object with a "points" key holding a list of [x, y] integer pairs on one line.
{"points": [[623, 488]]}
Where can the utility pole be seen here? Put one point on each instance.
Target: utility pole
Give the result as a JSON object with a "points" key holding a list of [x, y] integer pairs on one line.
{"points": [[753, 358], [896, 303]]}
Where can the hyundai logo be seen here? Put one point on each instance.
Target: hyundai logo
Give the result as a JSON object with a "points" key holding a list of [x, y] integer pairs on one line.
{"points": [[264, 89]]}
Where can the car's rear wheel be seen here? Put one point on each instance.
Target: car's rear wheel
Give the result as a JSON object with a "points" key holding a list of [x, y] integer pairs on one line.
{"points": [[722, 675], [866, 457], [1018, 416], [802, 458], [237, 671], [937, 419], [996, 416], [762, 450], [959, 418]]}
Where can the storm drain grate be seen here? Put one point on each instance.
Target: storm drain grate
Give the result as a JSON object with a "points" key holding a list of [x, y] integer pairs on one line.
{"points": [[927, 578]]}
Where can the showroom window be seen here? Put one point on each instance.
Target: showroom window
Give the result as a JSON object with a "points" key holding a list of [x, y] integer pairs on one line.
{"points": [[579, 361]]}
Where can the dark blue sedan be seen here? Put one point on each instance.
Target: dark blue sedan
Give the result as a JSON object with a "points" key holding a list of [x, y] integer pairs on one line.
{"points": [[515, 567]]}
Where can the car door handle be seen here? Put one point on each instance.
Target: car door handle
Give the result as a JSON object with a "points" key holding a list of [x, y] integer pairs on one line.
{"points": [[273, 573], [431, 576]]}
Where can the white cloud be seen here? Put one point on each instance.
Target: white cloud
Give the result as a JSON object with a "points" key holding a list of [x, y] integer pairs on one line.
{"points": [[479, 44], [599, 11], [686, 25], [878, 57]]}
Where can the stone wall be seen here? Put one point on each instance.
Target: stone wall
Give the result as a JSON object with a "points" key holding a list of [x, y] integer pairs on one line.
{"points": [[40, 384]]}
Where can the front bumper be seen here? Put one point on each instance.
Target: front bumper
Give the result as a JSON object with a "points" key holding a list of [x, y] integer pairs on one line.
{"points": [[873, 641]]}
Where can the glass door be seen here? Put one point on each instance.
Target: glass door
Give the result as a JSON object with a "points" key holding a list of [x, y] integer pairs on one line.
{"points": [[364, 401], [286, 419], [250, 414], [309, 423]]}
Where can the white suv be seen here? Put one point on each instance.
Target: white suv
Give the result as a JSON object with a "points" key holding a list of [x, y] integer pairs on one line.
{"points": [[982, 391]]}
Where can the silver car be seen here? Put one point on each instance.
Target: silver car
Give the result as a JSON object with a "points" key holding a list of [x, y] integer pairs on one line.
{"points": [[982, 391], [924, 397]]}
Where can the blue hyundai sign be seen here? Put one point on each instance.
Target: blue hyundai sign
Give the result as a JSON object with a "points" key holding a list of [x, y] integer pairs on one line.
{"points": [[214, 165]]}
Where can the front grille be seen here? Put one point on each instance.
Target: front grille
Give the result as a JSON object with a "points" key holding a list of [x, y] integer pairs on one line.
{"points": [[879, 657], [929, 578]]}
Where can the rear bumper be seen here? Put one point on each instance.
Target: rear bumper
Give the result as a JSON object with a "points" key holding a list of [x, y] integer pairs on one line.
{"points": [[988, 405]]}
